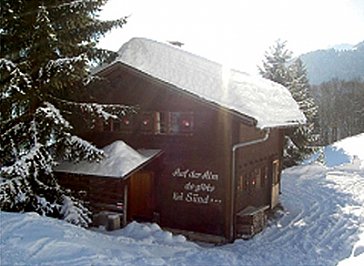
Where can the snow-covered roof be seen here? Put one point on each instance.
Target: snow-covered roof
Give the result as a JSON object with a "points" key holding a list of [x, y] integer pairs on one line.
{"points": [[269, 103], [120, 160]]}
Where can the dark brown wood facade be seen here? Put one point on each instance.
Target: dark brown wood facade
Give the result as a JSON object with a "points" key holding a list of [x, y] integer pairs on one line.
{"points": [[193, 189]]}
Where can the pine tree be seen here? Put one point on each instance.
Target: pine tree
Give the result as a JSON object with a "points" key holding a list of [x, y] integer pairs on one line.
{"points": [[275, 63], [278, 67], [47, 48], [304, 137]]}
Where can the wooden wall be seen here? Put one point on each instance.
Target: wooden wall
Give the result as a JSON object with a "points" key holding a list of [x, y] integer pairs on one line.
{"points": [[254, 170], [99, 192], [193, 189]]}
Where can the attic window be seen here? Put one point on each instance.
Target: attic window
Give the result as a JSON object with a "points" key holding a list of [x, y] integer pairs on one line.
{"points": [[154, 123], [121, 124], [161, 122], [167, 123], [146, 122], [181, 122]]}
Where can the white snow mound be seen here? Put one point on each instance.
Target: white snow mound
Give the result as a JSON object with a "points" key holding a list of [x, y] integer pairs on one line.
{"points": [[348, 150]]}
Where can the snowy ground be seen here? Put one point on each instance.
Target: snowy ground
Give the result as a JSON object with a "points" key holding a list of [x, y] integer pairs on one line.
{"points": [[322, 224]]}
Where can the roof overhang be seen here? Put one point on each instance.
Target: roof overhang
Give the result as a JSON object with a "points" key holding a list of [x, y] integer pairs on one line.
{"points": [[102, 168]]}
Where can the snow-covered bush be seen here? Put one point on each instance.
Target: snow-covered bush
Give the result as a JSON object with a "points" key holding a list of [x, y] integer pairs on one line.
{"points": [[74, 212]]}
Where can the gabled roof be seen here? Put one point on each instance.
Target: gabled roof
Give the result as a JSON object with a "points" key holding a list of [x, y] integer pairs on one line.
{"points": [[119, 162], [267, 102]]}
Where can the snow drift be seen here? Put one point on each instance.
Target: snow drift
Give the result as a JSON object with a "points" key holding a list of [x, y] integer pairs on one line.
{"points": [[322, 223]]}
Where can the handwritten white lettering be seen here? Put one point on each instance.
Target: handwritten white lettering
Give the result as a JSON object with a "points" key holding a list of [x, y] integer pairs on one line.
{"points": [[208, 175], [199, 187], [179, 173], [178, 196], [197, 198], [194, 192], [193, 174]]}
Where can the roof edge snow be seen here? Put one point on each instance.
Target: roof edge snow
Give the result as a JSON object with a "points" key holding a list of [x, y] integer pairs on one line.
{"points": [[120, 162]]}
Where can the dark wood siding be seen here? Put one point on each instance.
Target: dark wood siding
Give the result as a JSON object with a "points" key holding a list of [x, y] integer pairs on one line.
{"points": [[99, 193], [198, 200], [255, 166]]}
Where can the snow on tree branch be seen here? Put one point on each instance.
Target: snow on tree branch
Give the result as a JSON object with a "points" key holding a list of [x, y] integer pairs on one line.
{"points": [[80, 4], [30, 163], [19, 81], [104, 111], [71, 68], [80, 149], [7, 64], [65, 63], [50, 111], [42, 17], [10, 189], [90, 79]]}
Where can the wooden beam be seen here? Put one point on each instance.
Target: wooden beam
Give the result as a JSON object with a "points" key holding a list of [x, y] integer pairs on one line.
{"points": [[125, 212]]}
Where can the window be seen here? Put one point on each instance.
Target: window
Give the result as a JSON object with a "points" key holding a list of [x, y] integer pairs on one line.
{"points": [[126, 123], [158, 123], [249, 181], [181, 123], [256, 178], [264, 176], [243, 182], [240, 183], [161, 123], [122, 124], [167, 123], [147, 123]]}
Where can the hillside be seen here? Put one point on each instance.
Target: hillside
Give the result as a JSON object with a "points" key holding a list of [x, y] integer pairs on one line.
{"points": [[322, 223], [342, 64]]}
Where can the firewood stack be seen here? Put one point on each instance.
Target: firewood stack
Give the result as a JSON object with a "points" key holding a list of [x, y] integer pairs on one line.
{"points": [[251, 221]]}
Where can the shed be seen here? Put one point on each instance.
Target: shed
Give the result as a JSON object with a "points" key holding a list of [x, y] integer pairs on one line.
{"points": [[221, 132], [122, 182]]}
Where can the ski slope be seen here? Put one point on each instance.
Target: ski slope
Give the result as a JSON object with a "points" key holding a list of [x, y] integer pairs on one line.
{"points": [[322, 223]]}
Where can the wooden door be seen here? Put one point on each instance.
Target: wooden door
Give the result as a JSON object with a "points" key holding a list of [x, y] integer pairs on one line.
{"points": [[140, 196], [275, 183]]}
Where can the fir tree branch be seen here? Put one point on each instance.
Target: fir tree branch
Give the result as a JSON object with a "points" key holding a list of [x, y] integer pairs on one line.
{"points": [[104, 111]]}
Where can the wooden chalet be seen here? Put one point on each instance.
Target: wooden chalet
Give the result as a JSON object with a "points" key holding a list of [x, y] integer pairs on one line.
{"points": [[221, 133]]}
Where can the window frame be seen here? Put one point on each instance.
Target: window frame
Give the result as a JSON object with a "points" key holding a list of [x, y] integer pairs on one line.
{"points": [[168, 123]]}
